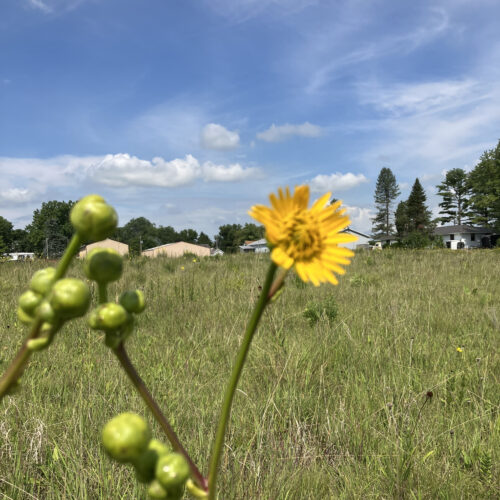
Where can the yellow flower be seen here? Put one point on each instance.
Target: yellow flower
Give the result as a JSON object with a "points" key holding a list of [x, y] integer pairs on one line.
{"points": [[459, 349], [306, 238], [182, 268]]}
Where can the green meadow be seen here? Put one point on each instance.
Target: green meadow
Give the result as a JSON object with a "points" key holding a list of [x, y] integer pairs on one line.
{"points": [[385, 386]]}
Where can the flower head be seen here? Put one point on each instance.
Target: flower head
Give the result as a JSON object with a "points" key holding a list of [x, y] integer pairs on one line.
{"points": [[306, 238]]}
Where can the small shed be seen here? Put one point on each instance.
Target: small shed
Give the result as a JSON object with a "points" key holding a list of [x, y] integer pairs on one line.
{"points": [[386, 239], [121, 248], [177, 250], [463, 236]]}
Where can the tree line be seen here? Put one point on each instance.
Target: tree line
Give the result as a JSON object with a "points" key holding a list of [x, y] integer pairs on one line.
{"points": [[471, 198], [50, 231]]}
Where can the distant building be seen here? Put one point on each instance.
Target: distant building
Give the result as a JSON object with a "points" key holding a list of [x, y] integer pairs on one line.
{"points": [[464, 236], [121, 248], [258, 246], [362, 241], [386, 239], [177, 250], [216, 251], [20, 255]]}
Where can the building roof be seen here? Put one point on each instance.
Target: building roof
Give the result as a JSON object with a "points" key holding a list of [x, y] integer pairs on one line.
{"points": [[357, 233], [175, 243], [384, 237], [462, 228]]}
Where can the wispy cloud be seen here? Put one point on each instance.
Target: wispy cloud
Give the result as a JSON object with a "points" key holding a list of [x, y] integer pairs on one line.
{"points": [[40, 5], [278, 133], [16, 196], [327, 54], [336, 182], [215, 136]]}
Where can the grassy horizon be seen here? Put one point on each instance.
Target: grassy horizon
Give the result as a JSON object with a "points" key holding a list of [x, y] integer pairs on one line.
{"points": [[354, 391]]}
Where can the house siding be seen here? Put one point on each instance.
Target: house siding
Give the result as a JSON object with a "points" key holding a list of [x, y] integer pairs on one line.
{"points": [[121, 248], [177, 250]]}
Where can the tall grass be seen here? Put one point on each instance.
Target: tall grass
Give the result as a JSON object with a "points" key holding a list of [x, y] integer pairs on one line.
{"points": [[373, 401]]}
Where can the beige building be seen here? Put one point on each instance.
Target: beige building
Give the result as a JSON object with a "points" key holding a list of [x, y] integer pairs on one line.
{"points": [[177, 250], [121, 248]]}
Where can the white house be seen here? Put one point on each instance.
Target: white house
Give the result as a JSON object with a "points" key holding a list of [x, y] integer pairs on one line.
{"points": [[21, 255], [462, 236], [361, 242], [386, 239], [259, 246]]}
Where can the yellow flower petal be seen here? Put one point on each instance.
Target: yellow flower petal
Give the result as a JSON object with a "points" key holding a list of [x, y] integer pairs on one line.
{"points": [[306, 238]]}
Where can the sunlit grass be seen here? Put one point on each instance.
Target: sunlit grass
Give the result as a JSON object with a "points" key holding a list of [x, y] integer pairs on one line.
{"points": [[337, 407]]}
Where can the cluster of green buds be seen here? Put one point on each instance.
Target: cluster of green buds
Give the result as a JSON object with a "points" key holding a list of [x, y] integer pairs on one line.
{"points": [[105, 265], [51, 299], [127, 439]]}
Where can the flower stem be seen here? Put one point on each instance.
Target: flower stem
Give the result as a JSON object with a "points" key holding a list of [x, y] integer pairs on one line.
{"points": [[233, 381], [103, 292], [69, 253], [139, 384], [16, 367]]}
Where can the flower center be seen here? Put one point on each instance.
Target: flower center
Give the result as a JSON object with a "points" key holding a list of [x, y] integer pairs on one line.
{"points": [[302, 237]]}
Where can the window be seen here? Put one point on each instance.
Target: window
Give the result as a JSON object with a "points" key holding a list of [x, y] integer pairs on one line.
{"points": [[473, 237], [452, 236]]}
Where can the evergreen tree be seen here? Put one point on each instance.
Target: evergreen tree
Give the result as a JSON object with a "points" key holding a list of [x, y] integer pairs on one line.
{"points": [[484, 185], [401, 219], [419, 216], [386, 191], [454, 191]]}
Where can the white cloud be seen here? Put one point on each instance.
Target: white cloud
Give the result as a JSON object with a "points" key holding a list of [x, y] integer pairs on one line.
{"points": [[336, 182], [283, 132], [38, 4], [16, 196], [361, 218], [232, 173], [214, 136]]}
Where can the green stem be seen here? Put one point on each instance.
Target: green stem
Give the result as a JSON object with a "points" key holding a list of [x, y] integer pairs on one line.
{"points": [[233, 381], [16, 367], [103, 292], [139, 384], [70, 252]]}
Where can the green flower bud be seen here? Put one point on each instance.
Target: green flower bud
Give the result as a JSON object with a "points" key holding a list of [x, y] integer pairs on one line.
{"points": [[126, 437], [145, 465], [172, 470], [45, 312], [70, 298], [133, 301], [103, 265], [29, 300], [42, 280], [24, 317], [93, 218], [157, 491], [108, 317]]}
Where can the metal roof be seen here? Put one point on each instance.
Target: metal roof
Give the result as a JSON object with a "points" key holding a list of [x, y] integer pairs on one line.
{"points": [[462, 228]]}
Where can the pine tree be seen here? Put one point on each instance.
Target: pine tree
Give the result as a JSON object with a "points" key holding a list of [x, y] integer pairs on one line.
{"points": [[401, 219], [454, 191], [484, 185], [419, 215], [386, 191]]}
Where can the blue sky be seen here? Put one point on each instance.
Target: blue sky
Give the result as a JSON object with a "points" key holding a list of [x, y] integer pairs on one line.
{"points": [[189, 112]]}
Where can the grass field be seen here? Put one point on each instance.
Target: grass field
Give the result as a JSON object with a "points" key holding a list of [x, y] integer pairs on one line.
{"points": [[365, 395]]}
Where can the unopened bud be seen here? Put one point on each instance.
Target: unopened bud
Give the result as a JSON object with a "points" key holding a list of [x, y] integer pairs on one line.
{"points": [[24, 317], [145, 465], [108, 317], [157, 491], [172, 470], [42, 280], [93, 218], [29, 300], [103, 265], [126, 437], [133, 301], [70, 298]]}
